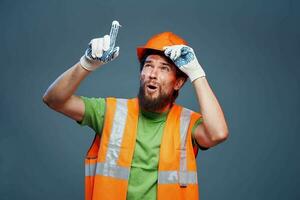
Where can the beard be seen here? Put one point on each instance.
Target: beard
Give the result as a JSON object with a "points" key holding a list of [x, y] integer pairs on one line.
{"points": [[153, 104]]}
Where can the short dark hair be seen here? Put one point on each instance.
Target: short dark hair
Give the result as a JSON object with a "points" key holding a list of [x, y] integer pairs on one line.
{"points": [[179, 73]]}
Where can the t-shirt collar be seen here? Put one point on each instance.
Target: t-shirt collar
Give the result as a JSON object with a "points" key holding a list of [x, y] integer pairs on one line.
{"points": [[154, 115]]}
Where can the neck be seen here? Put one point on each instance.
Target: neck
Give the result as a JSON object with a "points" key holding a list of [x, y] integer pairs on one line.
{"points": [[165, 109]]}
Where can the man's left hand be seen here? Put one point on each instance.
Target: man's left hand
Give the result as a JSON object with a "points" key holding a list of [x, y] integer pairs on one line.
{"points": [[185, 59]]}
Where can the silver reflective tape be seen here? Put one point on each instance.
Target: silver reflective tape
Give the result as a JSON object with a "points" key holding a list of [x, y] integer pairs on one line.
{"points": [[182, 173], [90, 169], [183, 178], [106, 169], [117, 131], [185, 118], [172, 177], [167, 177]]}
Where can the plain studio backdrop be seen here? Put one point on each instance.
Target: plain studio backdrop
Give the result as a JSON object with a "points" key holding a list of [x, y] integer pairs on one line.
{"points": [[248, 49]]}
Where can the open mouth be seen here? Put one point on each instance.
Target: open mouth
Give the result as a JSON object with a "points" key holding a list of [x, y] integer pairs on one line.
{"points": [[151, 88]]}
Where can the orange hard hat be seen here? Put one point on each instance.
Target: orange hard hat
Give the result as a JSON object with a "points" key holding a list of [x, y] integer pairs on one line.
{"points": [[158, 41]]}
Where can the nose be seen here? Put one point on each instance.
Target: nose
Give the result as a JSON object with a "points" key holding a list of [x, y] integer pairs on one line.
{"points": [[153, 73]]}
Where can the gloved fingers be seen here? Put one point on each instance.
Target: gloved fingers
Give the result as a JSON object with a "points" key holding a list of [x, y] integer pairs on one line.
{"points": [[106, 42], [173, 52], [177, 53], [185, 50], [88, 51], [167, 51], [97, 47], [115, 52]]}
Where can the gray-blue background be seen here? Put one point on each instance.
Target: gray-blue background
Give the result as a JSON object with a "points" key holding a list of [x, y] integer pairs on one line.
{"points": [[249, 50]]}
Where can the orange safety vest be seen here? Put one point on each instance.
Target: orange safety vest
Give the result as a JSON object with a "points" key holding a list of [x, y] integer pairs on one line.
{"points": [[108, 161]]}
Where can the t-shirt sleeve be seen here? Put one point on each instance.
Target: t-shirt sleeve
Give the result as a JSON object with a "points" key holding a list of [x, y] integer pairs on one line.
{"points": [[94, 113], [197, 123]]}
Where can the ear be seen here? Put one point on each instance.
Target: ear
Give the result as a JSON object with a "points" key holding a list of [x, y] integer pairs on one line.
{"points": [[178, 83]]}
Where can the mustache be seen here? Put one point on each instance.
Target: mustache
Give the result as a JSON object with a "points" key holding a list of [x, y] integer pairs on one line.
{"points": [[154, 83]]}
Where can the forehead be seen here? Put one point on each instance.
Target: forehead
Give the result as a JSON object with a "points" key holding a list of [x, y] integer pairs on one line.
{"points": [[159, 59]]}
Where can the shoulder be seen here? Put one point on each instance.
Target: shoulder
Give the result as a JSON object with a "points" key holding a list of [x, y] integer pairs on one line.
{"points": [[93, 102]]}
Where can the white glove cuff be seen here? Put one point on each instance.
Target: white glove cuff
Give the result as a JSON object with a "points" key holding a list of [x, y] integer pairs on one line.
{"points": [[197, 74], [87, 64], [193, 70]]}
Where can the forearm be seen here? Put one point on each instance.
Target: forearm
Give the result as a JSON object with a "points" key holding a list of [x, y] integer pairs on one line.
{"points": [[214, 128], [211, 111], [65, 85]]}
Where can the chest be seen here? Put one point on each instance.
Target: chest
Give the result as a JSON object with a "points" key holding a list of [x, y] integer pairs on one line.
{"points": [[147, 146]]}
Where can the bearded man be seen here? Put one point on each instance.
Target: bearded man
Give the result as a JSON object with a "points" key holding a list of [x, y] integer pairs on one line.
{"points": [[144, 147]]}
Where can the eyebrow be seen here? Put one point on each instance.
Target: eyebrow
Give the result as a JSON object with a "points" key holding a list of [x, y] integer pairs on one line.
{"points": [[163, 63]]}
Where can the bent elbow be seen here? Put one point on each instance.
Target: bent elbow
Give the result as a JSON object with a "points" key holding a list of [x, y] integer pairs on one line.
{"points": [[50, 101], [45, 99], [220, 137], [224, 136]]}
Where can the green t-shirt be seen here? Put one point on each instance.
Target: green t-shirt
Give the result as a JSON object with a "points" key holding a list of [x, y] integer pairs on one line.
{"points": [[142, 182]]}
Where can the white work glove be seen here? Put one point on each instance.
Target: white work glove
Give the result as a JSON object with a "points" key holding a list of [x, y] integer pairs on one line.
{"points": [[98, 53], [185, 59]]}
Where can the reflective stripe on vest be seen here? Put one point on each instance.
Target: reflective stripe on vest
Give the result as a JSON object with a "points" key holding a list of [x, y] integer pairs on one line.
{"points": [[109, 159], [105, 169], [171, 177], [185, 118], [183, 177], [117, 132], [110, 167]]}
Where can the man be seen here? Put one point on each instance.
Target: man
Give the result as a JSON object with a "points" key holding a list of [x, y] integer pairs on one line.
{"points": [[143, 148]]}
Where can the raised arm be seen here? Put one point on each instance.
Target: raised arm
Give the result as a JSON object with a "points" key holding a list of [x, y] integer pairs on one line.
{"points": [[214, 129], [60, 94]]}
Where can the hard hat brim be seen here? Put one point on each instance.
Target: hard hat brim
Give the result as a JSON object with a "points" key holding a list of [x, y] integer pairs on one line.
{"points": [[140, 51]]}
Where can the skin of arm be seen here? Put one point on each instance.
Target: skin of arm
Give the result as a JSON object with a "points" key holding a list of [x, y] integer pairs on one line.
{"points": [[60, 94], [214, 129]]}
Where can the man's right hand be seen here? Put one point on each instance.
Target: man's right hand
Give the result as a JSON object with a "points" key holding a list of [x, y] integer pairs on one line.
{"points": [[99, 52]]}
